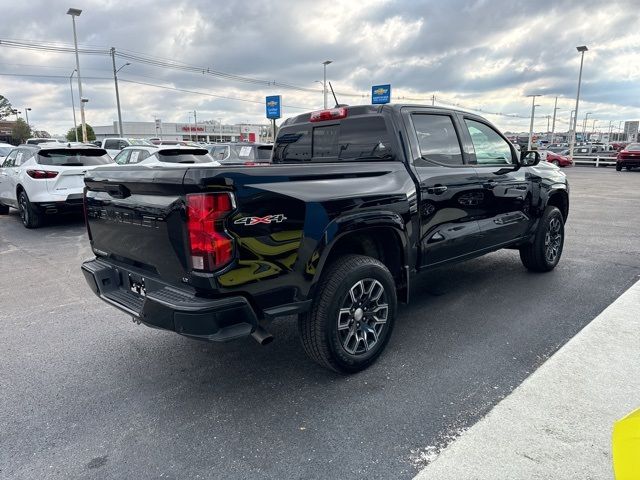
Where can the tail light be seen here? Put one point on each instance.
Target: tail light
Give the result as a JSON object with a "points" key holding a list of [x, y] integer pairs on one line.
{"points": [[332, 114], [211, 246], [42, 174]]}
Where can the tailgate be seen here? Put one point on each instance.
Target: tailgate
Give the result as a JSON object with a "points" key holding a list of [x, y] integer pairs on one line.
{"points": [[136, 215], [67, 180]]}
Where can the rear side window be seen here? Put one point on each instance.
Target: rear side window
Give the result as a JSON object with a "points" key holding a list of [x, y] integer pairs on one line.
{"points": [[359, 138], [73, 157], [437, 139], [263, 152]]}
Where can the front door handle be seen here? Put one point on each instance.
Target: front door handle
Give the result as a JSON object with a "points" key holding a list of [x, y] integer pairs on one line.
{"points": [[437, 189]]}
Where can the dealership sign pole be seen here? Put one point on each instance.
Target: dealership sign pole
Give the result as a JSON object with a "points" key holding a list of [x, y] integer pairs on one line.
{"points": [[273, 105]]}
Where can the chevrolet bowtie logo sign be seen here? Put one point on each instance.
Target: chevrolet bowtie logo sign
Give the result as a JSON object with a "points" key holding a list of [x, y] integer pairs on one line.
{"points": [[380, 91]]}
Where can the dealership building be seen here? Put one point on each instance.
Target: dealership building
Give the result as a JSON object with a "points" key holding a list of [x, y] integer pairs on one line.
{"points": [[206, 131]]}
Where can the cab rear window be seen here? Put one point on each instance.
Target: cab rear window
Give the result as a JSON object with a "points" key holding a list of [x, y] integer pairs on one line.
{"points": [[73, 157], [352, 139]]}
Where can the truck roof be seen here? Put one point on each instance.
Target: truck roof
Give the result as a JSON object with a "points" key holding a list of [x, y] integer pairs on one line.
{"points": [[363, 110]]}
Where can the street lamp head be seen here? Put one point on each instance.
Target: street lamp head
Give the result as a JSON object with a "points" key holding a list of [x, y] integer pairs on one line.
{"points": [[75, 12], [84, 100], [327, 62], [582, 48], [28, 109]]}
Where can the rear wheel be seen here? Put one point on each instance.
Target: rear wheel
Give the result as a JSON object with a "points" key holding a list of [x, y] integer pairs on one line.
{"points": [[352, 316], [3, 209], [29, 214], [544, 253]]}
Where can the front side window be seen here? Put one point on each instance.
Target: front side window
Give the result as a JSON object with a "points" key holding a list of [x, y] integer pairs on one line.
{"points": [[112, 145], [489, 146], [437, 139]]}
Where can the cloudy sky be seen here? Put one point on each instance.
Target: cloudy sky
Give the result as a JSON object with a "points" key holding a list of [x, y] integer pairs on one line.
{"points": [[484, 55]]}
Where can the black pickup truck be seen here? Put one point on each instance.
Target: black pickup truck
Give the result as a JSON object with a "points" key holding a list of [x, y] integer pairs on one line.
{"points": [[357, 200]]}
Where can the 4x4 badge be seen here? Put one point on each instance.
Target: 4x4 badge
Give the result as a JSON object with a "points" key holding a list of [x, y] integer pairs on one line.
{"points": [[279, 218]]}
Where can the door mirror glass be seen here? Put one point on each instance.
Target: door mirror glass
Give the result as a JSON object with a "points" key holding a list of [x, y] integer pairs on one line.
{"points": [[529, 158]]}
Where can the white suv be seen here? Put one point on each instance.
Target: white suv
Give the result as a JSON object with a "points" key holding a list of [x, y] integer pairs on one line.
{"points": [[164, 155], [46, 179]]}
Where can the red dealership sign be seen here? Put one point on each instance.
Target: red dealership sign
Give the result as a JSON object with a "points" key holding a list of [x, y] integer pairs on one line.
{"points": [[192, 129]]}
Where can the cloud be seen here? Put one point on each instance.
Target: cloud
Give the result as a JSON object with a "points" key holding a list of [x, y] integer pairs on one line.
{"points": [[486, 54]]}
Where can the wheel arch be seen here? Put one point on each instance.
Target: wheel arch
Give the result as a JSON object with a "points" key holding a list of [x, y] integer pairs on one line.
{"points": [[560, 198], [384, 241]]}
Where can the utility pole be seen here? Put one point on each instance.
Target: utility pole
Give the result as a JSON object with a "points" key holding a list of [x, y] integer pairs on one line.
{"points": [[220, 120], [73, 106], [26, 113], [75, 12], [433, 100], [533, 112], [584, 125], [553, 124], [195, 121], [115, 80]]}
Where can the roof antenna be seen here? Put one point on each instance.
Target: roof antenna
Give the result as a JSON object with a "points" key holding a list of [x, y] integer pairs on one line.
{"points": [[335, 98]]}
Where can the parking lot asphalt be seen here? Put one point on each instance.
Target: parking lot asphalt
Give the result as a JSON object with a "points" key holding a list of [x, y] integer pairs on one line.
{"points": [[88, 394]]}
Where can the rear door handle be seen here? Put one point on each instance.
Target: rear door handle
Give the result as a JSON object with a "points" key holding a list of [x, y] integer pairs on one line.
{"points": [[437, 189]]}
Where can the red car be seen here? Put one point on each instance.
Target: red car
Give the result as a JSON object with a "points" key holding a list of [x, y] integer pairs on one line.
{"points": [[629, 157], [558, 160]]}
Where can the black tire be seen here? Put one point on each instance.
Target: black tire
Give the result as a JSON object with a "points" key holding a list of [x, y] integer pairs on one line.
{"points": [[544, 253], [618, 168], [31, 217], [4, 210], [323, 340]]}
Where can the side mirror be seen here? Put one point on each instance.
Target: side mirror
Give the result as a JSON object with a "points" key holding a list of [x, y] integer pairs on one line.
{"points": [[529, 158]]}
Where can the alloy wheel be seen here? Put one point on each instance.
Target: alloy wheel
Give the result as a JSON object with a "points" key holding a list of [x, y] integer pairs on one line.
{"points": [[363, 316], [24, 212], [553, 240]]}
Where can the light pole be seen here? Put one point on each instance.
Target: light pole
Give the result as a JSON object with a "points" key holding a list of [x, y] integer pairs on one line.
{"points": [[581, 49], [220, 121], [584, 125], [73, 105], [553, 124], [620, 130], [115, 80], [26, 113], [324, 83], [593, 127], [75, 12], [533, 112], [189, 123]]}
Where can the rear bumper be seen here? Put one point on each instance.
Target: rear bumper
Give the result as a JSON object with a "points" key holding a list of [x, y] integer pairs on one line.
{"points": [[161, 306], [628, 162], [71, 202]]}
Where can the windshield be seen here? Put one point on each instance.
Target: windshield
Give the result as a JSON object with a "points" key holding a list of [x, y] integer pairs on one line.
{"points": [[633, 147], [4, 151], [184, 156], [74, 157]]}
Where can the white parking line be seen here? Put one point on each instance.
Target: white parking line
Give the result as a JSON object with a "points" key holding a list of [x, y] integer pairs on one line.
{"points": [[557, 424]]}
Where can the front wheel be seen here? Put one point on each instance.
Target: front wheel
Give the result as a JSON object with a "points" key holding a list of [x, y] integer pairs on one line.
{"points": [[556, 163], [543, 254], [352, 316], [618, 168]]}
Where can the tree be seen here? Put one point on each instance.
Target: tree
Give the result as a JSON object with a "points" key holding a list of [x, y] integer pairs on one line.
{"points": [[71, 134], [5, 107], [20, 131]]}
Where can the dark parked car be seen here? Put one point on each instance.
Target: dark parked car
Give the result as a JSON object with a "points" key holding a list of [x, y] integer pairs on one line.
{"points": [[629, 157], [358, 200]]}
